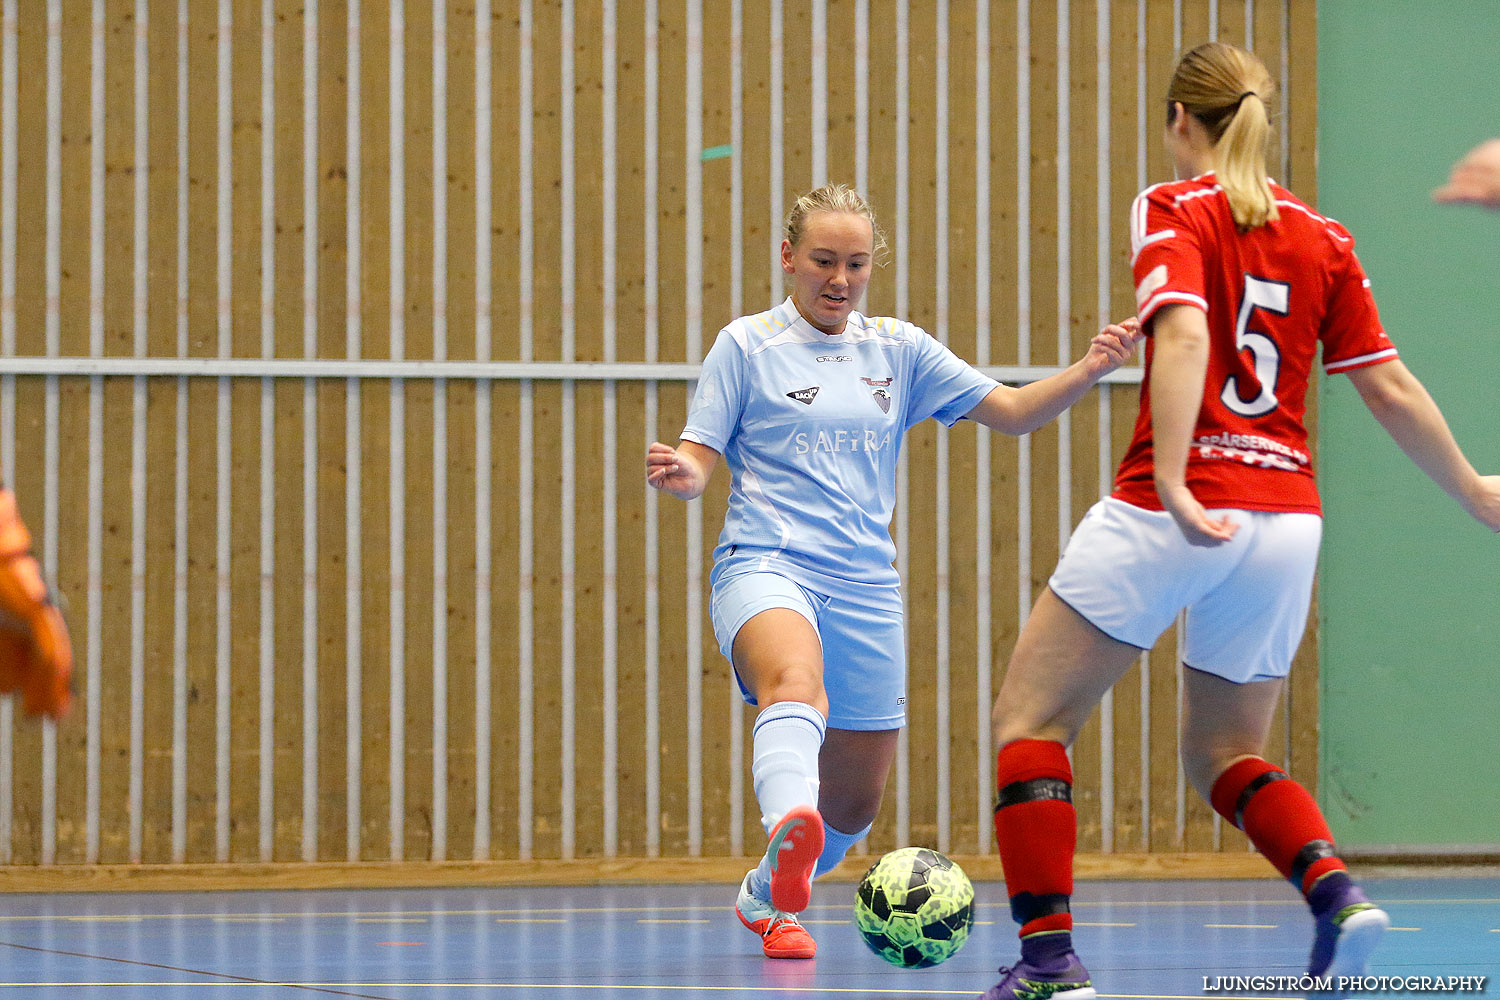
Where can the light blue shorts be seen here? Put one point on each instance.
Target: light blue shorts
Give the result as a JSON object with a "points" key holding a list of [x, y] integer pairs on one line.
{"points": [[864, 649]]}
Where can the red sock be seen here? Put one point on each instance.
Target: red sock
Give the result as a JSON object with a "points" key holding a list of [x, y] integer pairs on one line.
{"points": [[1037, 830], [1281, 819]]}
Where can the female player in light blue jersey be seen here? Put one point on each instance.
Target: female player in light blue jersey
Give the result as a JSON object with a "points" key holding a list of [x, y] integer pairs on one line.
{"points": [[809, 403]]}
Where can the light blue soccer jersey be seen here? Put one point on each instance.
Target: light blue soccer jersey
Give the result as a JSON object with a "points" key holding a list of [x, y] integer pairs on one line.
{"points": [[811, 426]]}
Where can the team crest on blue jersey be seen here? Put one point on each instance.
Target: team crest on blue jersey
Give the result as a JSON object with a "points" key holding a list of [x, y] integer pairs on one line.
{"points": [[878, 387], [804, 395]]}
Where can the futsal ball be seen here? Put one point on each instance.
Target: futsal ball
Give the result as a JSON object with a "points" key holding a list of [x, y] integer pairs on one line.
{"points": [[914, 908]]}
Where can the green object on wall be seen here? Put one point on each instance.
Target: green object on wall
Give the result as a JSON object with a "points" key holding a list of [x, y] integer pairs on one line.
{"points": [[1410, 585]]}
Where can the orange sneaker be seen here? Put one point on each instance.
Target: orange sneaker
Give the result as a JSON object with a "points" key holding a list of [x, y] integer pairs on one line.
{"points": [[781, 936], [796, 843], [36, 658]]}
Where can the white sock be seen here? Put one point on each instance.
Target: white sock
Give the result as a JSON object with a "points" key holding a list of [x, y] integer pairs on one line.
{"points": [[787, 737]]}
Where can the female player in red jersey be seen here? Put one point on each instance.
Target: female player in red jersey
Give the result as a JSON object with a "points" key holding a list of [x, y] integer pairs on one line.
{"points": [[1214, 510]]}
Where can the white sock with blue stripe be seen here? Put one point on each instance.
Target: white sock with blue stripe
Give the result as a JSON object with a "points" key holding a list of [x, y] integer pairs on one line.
{"points": [[787, 738]]}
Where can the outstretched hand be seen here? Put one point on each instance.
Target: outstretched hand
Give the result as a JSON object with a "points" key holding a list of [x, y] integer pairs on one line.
{"points": [[1475, 178], [1112, 347]]}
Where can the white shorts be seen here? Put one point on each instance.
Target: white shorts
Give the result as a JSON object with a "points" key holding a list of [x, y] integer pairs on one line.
{"points": [[1129, 571], [864, 648]]}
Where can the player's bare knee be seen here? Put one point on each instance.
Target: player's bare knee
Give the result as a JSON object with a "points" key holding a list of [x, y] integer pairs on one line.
{"points": [[789, 679], [1203, 763], [793, 685], [849, 808]]}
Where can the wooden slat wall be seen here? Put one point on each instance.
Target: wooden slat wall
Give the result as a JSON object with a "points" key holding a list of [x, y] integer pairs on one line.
{"points": [[611, 726]]}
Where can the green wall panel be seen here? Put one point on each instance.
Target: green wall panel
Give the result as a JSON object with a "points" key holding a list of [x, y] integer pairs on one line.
{"points": [[1410, 586]]}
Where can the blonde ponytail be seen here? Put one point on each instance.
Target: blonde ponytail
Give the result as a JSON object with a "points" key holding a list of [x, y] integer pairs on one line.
{"points": [[1226, 89]]}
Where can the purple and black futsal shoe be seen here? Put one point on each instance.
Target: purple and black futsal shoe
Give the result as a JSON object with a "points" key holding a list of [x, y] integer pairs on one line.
{"points": [[1067, 980], [1343, 942]]}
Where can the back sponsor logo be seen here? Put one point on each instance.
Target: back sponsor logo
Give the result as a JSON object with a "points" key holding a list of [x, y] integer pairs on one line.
{"points": [[804, 395]]}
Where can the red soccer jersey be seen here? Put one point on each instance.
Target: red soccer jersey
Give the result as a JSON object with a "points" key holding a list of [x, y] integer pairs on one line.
{"points": [[1271, 295]]}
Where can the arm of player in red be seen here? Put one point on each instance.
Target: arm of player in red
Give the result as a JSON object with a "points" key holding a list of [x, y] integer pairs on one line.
{"points": [[36, 658]]}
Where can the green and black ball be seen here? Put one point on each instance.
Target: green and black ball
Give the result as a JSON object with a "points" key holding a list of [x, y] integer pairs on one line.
{"points": [[914, 908]]}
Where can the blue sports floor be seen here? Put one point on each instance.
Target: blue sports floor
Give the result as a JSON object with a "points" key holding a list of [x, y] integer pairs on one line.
{"points": [[1139, 939]]}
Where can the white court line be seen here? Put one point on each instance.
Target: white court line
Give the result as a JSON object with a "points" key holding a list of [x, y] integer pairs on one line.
{"points": [[391, 920], [249, 920], [530, 920], [673, 920], [122, 918]]}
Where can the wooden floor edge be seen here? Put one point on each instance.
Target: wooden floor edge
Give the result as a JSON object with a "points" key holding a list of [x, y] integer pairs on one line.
{"points": [[582, 871]]}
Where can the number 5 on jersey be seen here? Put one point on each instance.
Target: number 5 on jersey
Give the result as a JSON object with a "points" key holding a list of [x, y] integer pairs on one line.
{"points": [[1272, 296]]}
